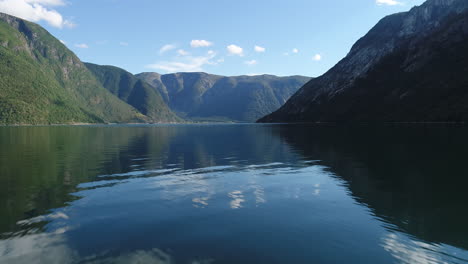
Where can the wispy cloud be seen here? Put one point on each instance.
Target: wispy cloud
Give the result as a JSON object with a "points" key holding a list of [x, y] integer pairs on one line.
{"points": [[36, 10], [259, 49], [186, 63], [82, 46], [123, 44], [317, 57], [388, 2], [182, 52], [199, 43], [167, 48], [293, 51], [251, 62], [235, 50]]}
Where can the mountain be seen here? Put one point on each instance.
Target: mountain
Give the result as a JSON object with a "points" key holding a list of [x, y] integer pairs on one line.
{"points": [[137, 93], [182, 91], [202, 96], [410, 67], [42, 82]]}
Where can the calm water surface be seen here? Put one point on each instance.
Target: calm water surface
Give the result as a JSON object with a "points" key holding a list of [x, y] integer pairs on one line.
{"points": [[234, 194]]}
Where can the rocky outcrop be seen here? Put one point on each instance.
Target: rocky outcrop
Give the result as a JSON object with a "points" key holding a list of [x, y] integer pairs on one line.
{"points": [[351, 87]]}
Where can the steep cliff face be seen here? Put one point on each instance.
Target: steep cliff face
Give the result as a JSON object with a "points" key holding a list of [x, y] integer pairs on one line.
{"points": [[381, 78], [154, 79], [246, 98], [186, 90], [43, 82], [204, 96]]}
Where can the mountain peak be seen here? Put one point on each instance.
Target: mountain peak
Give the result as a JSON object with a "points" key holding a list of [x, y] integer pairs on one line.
{"points": [[418, 45], [11, 20]]}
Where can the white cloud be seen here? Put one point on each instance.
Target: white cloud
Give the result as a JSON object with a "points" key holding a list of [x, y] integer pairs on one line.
{"points": [[123, 44], [255, 74], [251, 62], [259, 49], [185, 64], [166, 48], [82, 46], [36, 10], [317, 57], [182, 52], [199, 43], [388, 2], [235, 50], [47, 2], [295, 51]]}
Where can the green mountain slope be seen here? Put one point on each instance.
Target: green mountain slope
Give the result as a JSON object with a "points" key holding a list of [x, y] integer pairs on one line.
{"points": [[42, 82], [139, 94], [202, 96]]}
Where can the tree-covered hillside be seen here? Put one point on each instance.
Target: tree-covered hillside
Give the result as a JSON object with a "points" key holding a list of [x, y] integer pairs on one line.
{"points": [[42, 82]]}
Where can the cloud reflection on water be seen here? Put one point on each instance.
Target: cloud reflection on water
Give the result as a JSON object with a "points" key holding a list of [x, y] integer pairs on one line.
{"points": [[409, 251], [237, 199], [52, 248]]}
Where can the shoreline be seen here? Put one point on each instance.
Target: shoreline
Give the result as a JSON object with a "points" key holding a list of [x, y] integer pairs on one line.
{"points": [[119, 124], [235, 123]]}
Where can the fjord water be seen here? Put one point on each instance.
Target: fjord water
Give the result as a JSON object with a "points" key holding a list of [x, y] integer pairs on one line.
{"points": [[234, 194]]}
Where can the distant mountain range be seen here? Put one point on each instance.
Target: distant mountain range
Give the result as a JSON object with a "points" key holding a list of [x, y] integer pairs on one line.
{"points": [[43, 82], [201, 96], [410, 67]]}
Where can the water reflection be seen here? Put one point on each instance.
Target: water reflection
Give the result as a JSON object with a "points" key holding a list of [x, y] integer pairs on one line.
{"points": [[37, 248], [409, 251], [237, 199], [233, 194], [413, 177]]}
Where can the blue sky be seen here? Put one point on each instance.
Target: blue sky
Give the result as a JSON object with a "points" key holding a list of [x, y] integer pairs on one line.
{"points": [[227, 37]]}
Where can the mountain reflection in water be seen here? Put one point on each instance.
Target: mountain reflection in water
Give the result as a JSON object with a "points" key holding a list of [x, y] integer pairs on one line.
{"points": [[233, 194]]}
